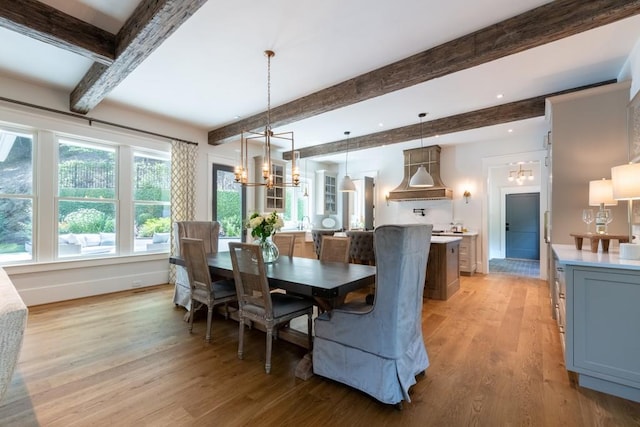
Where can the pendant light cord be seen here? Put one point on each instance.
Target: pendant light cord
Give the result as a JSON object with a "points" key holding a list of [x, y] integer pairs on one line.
{"points": [[346, 163]]}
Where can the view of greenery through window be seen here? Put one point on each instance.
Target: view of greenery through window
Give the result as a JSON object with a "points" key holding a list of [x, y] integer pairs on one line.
{"points": [[16, 195]]}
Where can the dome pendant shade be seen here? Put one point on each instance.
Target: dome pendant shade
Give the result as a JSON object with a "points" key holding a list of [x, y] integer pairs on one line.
{"points": [[421, 178], [347, 185]]}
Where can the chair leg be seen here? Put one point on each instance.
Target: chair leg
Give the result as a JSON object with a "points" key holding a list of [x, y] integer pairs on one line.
{"points": [[267, 365], [191, 314], [240, 337], [209, 316], [310, 330]]}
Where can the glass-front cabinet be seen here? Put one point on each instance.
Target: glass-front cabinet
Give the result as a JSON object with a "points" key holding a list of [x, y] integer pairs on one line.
{"points": [[327, 193], [272, 199]]}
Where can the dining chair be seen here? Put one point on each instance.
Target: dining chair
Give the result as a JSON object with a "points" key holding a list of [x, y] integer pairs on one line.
{"points": [[335, 249], [317, 235], [203, 289], [380, 349], [255, 301], [209, 232], [284, 242], [361, 250]]}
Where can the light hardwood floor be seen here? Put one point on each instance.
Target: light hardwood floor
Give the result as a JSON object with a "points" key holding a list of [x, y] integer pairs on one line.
{"points": [[127, 359]]}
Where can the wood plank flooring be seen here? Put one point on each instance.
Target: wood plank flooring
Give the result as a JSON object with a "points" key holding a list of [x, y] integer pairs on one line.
{"points": [[127, 359]]}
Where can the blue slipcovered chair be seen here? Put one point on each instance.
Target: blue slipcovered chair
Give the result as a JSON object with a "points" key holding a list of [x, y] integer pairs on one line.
{"points": [[379, 349]]}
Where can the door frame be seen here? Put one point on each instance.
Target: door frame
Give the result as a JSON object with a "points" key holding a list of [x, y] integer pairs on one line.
{"points": [[489, 167]]}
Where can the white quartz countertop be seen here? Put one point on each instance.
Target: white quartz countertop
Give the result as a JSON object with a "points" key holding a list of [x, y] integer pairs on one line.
{"points": [[445, 239], [451, 233], [569, 255]]}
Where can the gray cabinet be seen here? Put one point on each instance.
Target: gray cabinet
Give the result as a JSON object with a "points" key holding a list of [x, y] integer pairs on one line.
{"points": [[596, 304]]}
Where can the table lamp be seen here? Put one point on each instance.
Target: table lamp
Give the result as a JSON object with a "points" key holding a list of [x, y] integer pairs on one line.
{"points": [[626, 186], [601, 194]]}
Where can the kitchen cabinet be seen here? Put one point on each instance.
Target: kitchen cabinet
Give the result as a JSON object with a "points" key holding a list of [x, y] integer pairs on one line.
{"points": [[602, 339], [271, 199], [468, 252], [327, 193], [468, 262], [443, 268]]}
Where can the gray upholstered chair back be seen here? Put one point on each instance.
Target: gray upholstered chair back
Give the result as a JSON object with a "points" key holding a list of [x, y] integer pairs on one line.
{"points": [[401, 268], [362, 250]]}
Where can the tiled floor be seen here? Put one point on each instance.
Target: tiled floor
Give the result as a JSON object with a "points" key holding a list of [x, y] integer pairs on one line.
{"points": [[515, 267]]}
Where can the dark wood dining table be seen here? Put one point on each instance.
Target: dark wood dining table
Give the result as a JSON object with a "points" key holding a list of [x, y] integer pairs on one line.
{"points": [[324, 281]]}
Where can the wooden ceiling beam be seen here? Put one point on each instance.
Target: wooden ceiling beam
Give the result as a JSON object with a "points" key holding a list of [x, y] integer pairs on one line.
{"points": [[148, 27], [547, 23], [491, 116], [46, 24]]}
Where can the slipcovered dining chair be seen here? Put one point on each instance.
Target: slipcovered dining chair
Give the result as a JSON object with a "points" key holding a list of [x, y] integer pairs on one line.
{"points": [[208, 232], [255, 301], [335, 249], [285, 243], [379, 349], [203, 289], [317, 236]]}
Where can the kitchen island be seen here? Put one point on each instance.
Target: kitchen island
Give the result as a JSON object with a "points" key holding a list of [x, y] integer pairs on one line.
{"points": [[596, 298], [443, 268]]}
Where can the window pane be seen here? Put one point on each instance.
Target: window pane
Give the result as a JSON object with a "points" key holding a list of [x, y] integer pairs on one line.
{"points": [[16, 163], [153, 227], [86, 228], [152, 178], [151, 192], [15, 229], [86, 170], [16, 210]]}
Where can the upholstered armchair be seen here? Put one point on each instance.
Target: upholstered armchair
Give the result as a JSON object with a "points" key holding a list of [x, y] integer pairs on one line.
{"points": [[379, 349], [208, 231], [361, 250]]}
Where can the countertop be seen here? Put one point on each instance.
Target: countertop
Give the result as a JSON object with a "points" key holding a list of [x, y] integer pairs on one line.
{"points": [[568, 254], [451, 233], [445, 239]]}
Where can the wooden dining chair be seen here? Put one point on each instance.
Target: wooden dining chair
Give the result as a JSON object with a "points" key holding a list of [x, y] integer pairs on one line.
{"points": [[285, 243], [255, 301], [335, 249], [203, 289]]}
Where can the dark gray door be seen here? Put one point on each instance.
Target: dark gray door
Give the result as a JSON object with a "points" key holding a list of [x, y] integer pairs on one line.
{"points": [[523, 226]]}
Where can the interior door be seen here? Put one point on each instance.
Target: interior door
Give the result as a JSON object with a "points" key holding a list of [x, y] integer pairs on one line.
{"points": [[368, 203], [228, 206], [522, 226]]}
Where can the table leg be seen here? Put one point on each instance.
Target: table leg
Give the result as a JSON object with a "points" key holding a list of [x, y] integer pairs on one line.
{"points": [[304, 369], [578, 241], [594, 244], [605, 245]]}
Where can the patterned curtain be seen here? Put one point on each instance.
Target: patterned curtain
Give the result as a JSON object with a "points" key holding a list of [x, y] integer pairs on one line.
{"points": [[183, 184]]}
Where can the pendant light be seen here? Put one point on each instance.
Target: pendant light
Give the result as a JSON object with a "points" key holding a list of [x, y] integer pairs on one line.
{"points": [[347, 186], [421, 178]]}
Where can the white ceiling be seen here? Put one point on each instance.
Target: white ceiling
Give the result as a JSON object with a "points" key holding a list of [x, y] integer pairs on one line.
{"points": [[212, 69]]}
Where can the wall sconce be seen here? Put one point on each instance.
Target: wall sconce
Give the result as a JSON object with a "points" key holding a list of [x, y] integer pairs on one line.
{"points": [[466, 196], [386, 197]]}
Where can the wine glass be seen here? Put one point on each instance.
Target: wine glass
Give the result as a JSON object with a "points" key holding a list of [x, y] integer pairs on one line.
{"points": [[587, 217]]}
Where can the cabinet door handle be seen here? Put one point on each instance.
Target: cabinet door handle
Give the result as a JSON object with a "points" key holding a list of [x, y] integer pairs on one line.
{"points": [[561, 295]]}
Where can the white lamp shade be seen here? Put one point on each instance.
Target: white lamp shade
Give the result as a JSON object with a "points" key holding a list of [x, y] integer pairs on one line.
{"points": [[626, 181], [421, 178], [601, 191], [347, 185]]}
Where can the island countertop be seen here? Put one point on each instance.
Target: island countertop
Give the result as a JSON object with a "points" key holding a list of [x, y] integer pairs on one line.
{"points": [[444, 239], [568, 254]]}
